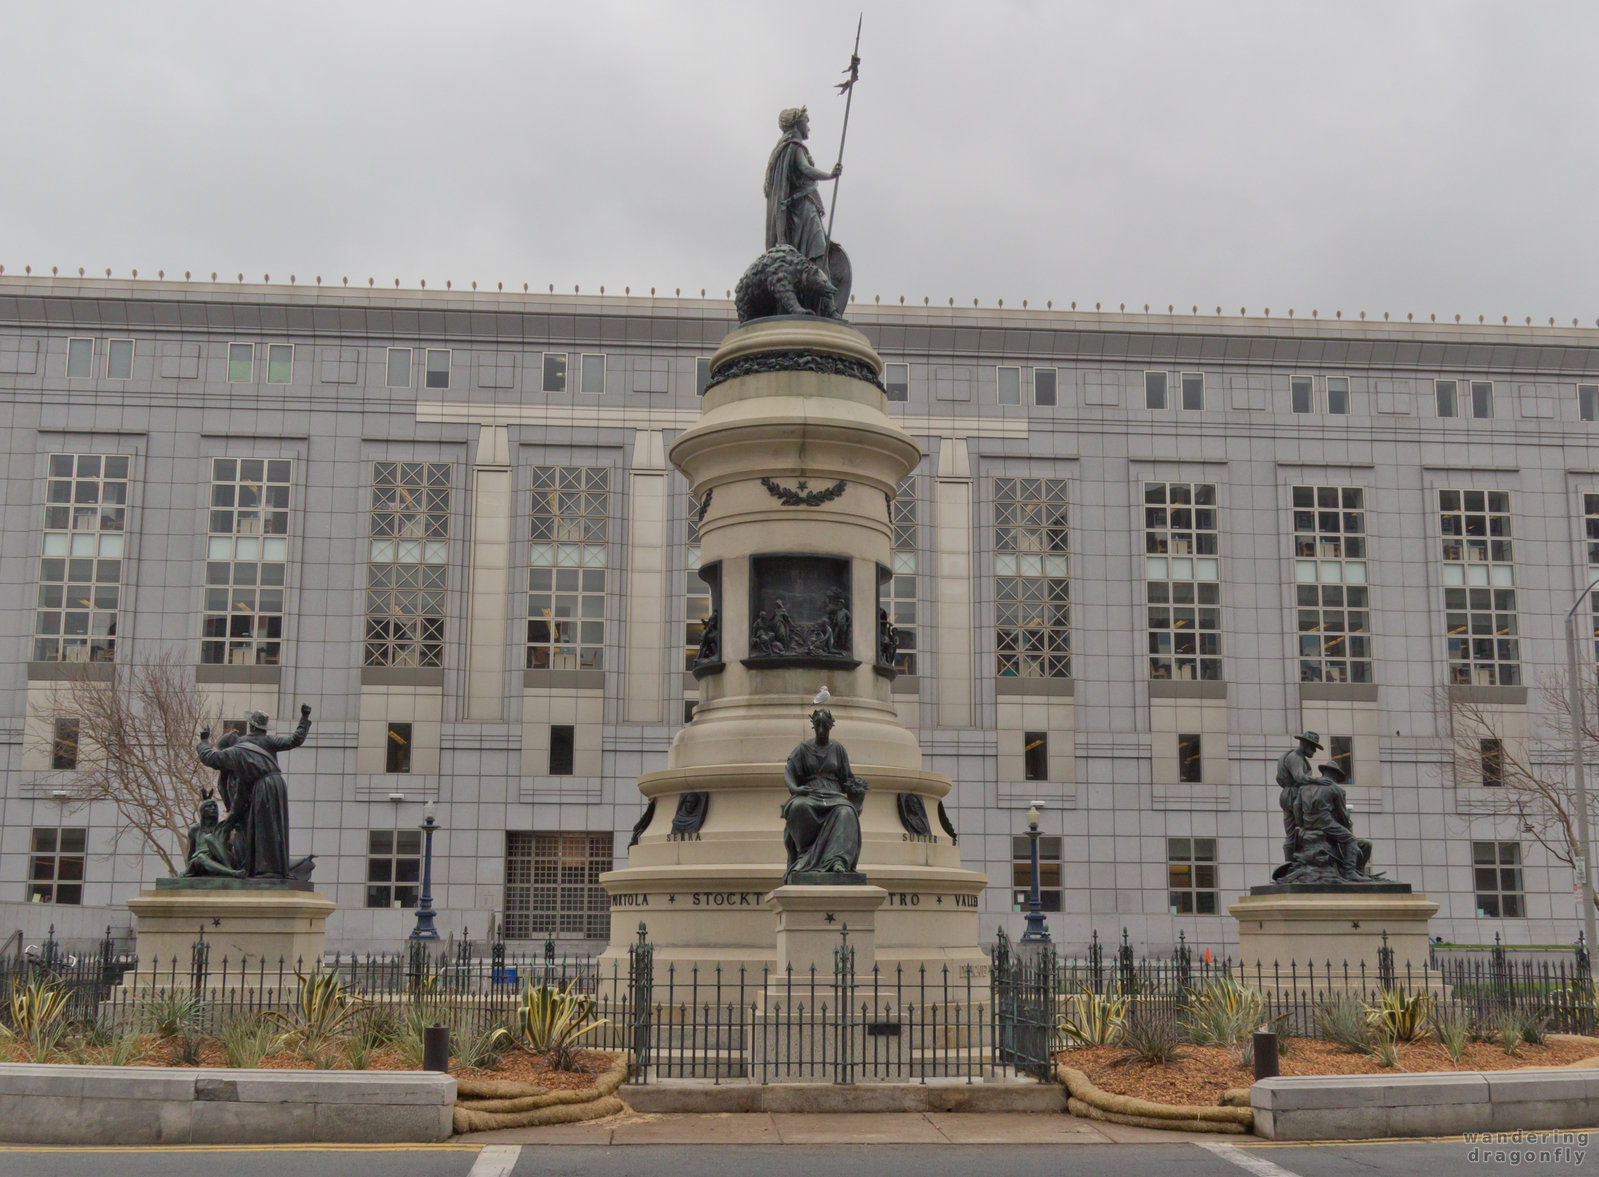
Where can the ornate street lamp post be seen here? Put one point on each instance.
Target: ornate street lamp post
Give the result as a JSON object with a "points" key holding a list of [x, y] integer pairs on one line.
{"points": [[424, 929], [1037, 932]]}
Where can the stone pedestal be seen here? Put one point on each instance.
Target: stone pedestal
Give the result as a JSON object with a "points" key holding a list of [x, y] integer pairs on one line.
{"points": [[1281, 926], [246, 925], [810, 920]]}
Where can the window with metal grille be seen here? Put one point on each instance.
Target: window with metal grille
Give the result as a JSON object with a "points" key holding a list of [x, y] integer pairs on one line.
{"points": [[1191, 876], [1496, 877], [1032, 597], [1182, 570], [1479, 588], [55, 868], [566, 578], [900, 599], [1330, 568], [393, 868], [1021, 871], [246, 560], [552, 885], [80, 572], [408, 564]]}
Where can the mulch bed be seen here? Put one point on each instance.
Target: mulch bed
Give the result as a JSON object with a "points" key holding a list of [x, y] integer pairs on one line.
{"points": [[1204, 1072]]}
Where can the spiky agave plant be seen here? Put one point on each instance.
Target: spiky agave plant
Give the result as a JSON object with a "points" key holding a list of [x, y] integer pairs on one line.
{"points": [[1401, 1016], [36, 1014], [323, 1010], [1222, 1012], [1093, 1019], [552, 1021]]}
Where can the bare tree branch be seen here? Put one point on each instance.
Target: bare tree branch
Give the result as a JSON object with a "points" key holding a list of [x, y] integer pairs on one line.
{"points": [[136, 737]]}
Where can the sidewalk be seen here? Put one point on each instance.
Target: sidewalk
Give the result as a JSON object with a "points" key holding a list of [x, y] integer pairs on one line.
{"points": [[870, 1128]]}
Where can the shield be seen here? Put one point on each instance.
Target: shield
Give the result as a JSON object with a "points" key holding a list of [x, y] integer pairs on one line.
{"points": [[839, 273]]}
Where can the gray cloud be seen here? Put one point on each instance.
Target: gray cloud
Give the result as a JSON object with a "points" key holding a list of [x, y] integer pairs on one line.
{"points": [[1426, 157]]}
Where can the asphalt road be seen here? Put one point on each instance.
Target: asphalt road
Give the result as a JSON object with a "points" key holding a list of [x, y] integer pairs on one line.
{"points": [[1200, 1159]]}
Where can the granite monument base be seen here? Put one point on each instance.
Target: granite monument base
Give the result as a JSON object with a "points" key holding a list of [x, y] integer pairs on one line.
{"points": [[1335, 925], [810, 919], [248, 923]]}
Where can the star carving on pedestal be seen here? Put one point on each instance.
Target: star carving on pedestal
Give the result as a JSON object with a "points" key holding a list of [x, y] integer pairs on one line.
{"points": [[671, 898], [215, 922], [939, 900], [829, 917], [802, 484]]}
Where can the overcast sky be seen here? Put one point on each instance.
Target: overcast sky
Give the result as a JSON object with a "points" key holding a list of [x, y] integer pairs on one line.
{"points": [[1426, 157]]}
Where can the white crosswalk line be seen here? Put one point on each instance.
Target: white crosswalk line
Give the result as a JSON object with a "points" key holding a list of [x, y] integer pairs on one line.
{"points": [[1244, 1159], [496, 1160]]}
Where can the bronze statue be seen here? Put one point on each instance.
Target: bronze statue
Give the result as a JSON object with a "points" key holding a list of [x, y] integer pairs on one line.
{"points": [[1320, 846], [821, 818], [208, 853], [260, 809], [1293, 771]]}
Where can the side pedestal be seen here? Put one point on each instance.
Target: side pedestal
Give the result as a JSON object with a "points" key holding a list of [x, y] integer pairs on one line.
{"points": [[1300, 926], [246, 926], [809, 922]]}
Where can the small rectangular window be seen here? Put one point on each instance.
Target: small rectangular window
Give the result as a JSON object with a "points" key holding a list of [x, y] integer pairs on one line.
{"points": [[64, 744], [397, 748], [1191, 876], [1492, 753], [1444, 391], [1341, 750], [1482, 398], [1194, 391], [1044, 386], [280, 363], [1496, 878], [897, 379], [241, 363], [55, 870], [80, 359], [702, 375], [1035, 755], [393, 868], [562, 736], [438, 367], [1189, 765], [1154, 390], [1588, 402], [554, 371], [593, 375], [1303, 389], [1338, 395], [1010, 386], [399, 367], [119, 359]]}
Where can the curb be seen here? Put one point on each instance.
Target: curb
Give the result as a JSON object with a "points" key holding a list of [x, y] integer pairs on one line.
{"points": [[832, 1098], [482, 1105], [1091, 1103]]}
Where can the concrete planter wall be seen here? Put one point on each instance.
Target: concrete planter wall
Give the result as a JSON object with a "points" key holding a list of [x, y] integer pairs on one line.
{"points": [[51, 1104]]}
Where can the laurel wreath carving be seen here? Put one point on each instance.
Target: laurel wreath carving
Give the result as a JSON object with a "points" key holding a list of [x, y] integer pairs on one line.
{"points": [[802, 497]]}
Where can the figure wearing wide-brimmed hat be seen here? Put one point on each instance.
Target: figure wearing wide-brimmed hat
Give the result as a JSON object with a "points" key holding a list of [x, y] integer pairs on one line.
{"points": [[1293, 771]]}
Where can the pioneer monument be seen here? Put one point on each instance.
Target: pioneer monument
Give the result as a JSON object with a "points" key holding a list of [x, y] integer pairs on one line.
{"points": [[796, 461], [1324, 903]]}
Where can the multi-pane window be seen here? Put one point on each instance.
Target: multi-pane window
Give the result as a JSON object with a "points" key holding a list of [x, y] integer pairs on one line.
{"points": [[55, 868], [1154, 390], [1191, 876], [1479, 588], [1588, 402], [407, 566], [280, 363], [119, 359], [80, 359], [393, 867], [241, 363], [897, 380], [1338, 395], [1190, 762], [64, 743], [438, 367], [1182, 570], [1302, 393], [1032, 601], [397, 748], [900, 600], [1010, 386], [246, 558], [1035, 756], [1482, 398], [399, 368], [80, 572], [1496, 877], [1446, 394], [566, 579], [1330, 574], [1044, 386], [1021, 871], [554, 371], [552, 885], [1193, 390], [695, 591]]}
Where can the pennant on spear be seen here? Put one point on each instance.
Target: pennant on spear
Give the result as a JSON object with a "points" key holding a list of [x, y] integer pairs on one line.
{"points": [[846, 88]]}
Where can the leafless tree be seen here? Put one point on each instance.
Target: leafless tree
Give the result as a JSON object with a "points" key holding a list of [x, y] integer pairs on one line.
{"points": [[135, 746], [1529, 751]]}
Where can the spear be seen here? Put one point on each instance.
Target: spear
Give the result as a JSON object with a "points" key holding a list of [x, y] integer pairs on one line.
{"points": [[846, 88]]}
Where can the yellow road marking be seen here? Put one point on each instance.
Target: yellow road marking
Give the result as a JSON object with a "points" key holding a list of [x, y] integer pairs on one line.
{"points": [[446, 1146]]}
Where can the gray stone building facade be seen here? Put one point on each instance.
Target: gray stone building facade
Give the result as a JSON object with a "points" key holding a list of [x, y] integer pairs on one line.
{"points": [[1142, 551]]}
